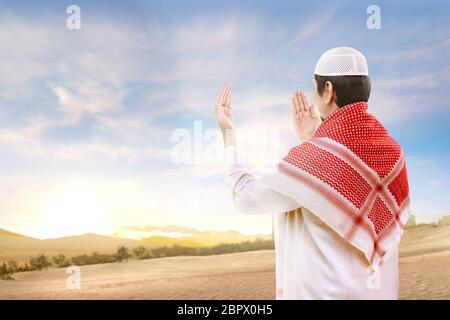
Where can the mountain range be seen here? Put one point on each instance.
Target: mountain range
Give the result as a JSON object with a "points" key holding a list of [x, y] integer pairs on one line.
{"points": [[20, 247]]}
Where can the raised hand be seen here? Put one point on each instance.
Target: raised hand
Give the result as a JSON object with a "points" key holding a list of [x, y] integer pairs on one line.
{"points": [[305, 118], [224, 115]]}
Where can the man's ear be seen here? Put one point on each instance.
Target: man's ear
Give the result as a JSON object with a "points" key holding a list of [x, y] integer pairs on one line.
{"points": [[328, 94]]}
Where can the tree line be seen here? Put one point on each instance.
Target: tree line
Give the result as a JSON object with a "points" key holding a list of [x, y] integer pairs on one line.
{"points": [[42, 261]]}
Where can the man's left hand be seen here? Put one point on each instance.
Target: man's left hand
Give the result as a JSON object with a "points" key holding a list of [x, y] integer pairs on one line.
{"points": [[305, 118]]}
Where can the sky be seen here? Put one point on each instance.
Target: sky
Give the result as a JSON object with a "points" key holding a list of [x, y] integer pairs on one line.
{"points": [[112, 124]]}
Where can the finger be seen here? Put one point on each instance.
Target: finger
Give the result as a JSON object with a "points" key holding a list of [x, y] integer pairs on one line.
{"points": [[225, 96], [297, 102], [305, 101], [228, 97], [300, 98], [220, 98], [311, 112], [293, 106], [222, 95], [300, 102]]}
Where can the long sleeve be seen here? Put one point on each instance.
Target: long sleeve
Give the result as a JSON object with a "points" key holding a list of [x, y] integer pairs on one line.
{"points": [[249, 193]]}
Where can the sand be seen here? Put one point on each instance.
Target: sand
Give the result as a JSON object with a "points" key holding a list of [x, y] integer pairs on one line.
{"points": [[424, 274], [248, 275]]}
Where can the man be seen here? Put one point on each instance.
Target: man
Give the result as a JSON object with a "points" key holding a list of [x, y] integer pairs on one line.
{"points": [[339, 199]]}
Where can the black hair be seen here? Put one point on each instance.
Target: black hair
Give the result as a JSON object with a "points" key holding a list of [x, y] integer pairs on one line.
{"points": [[348, 89]]}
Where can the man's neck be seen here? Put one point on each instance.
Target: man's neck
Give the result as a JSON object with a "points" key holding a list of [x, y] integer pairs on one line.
{"points": [[330, 110]]}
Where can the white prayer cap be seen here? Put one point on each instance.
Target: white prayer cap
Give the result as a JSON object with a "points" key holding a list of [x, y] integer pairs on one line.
{"points": [[342, 61]]}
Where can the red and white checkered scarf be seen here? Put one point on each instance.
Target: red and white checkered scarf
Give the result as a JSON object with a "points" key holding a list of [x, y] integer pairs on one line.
{"points": [[352, 175]]}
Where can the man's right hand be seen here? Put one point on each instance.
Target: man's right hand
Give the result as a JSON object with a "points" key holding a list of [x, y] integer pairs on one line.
{"points": [[224, 115], [305, 118]]}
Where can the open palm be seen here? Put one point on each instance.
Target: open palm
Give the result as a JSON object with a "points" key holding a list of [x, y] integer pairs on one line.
{"points": [[224, 115], [305, 118]]}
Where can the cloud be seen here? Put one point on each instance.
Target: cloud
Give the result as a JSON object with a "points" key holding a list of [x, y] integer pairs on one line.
{"points": [[429, 80], [89, 96], [414, 52], [314, 25], [405, 98], [25, 47]]}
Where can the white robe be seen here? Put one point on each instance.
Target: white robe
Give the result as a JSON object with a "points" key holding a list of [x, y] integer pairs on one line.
{"points": [[312, 260]]}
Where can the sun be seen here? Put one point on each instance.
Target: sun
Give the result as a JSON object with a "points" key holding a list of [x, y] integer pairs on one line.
{"points": [[72, 210]]}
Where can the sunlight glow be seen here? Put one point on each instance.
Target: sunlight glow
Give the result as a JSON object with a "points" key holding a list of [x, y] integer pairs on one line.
{"points": [[72, 210]]}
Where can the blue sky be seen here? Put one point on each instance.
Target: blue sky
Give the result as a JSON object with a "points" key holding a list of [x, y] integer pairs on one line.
{"points": [[87, 116]]}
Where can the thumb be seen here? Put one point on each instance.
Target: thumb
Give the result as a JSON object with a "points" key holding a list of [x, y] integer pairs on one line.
{"points": [[314, 112]]}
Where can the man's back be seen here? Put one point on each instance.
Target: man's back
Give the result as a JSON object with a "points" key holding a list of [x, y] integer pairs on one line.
{"points": [[314, 262]]}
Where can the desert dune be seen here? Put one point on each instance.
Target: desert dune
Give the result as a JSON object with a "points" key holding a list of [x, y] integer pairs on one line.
{"points": [[248, 275], [424, 274]]}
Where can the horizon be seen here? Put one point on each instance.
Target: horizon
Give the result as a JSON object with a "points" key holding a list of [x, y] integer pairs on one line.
{"points": [[158, 230], [139, 235]]}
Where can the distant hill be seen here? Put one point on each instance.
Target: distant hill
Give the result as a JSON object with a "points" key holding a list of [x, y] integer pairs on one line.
{"points": [[6, 233], [185, 230], [20, 248], [190, 236], [425, 239]]}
